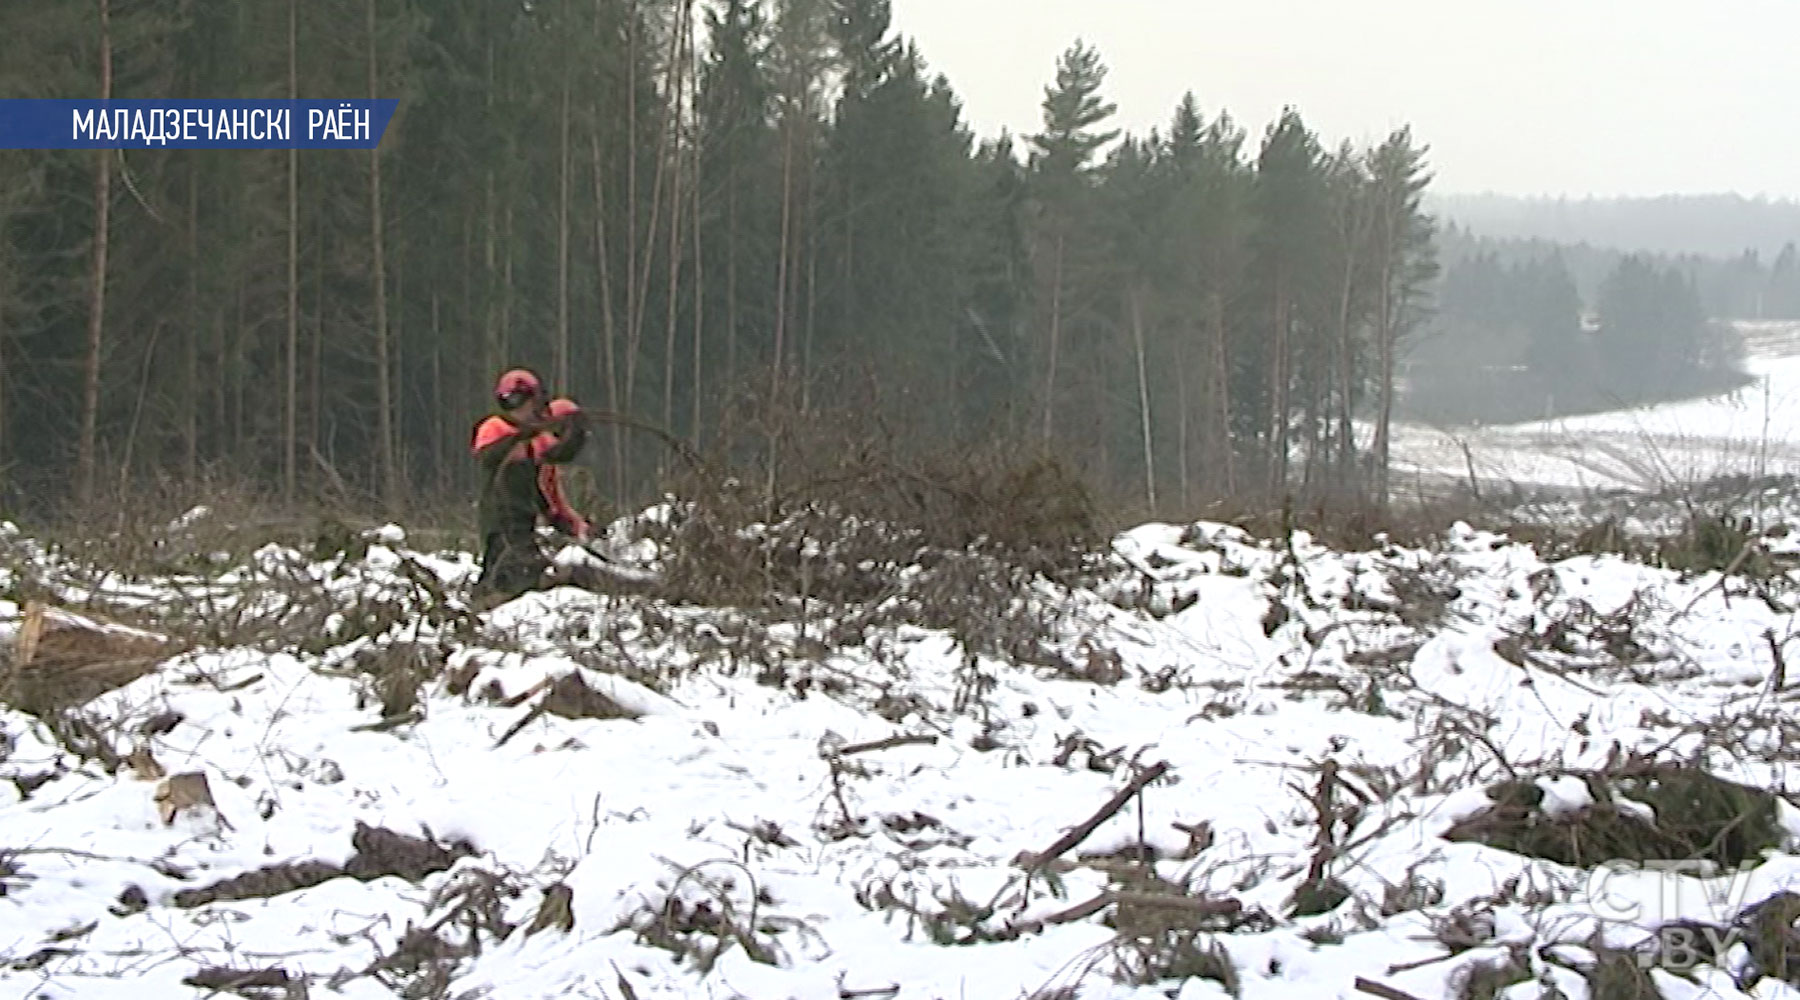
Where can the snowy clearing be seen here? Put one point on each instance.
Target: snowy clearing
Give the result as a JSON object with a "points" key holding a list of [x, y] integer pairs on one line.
{"points": [[591, 796]]}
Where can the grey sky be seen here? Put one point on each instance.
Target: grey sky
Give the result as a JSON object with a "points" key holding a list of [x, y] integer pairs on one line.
{"points": [[1576, 97]]}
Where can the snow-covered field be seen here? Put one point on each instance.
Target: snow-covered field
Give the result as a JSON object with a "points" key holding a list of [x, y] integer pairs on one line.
{"points": [[1753, 431], [724, 835]]}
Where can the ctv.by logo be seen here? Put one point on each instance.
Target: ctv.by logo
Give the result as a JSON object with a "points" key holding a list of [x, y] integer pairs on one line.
{"points": [[1688, 907]]}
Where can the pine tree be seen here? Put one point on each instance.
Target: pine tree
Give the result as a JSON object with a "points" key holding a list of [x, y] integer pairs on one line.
{"points": [[1405, 264], [1062, 165]]}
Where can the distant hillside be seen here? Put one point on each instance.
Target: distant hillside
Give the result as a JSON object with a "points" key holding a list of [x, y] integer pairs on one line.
{"points": [[1724, 225]]}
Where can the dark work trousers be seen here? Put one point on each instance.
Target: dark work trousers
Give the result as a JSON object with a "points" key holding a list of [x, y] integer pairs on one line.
{"points": [[511, 563]]}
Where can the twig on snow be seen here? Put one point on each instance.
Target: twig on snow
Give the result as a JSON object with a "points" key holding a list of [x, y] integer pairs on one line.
{"points": [[897, 740], [1382, 990], [1080, 832]]}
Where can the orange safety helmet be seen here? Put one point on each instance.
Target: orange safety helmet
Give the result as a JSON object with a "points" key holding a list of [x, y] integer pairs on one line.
{"points": [[516, 387]]}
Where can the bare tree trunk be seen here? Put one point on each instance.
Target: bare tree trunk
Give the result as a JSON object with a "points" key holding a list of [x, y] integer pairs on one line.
{"points": [[191, 340], [731, 272], [90, 396], [235, 377], [561, 370], [506, 281], [290, 423], [632, 320], [490, 339], [389, 469], [1346, 362], [447, 448], [812, 275], [695, 430], [609, 349], [316, 414], [1056, 287], [1143, 386], [640, 283], [1181, 403], [677, 88], [1220, 367], [1384, 339], [781, 267], [1278, 394]]}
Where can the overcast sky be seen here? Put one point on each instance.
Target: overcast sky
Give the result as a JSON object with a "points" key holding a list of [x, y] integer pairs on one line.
{"points": [[1576, 97]]}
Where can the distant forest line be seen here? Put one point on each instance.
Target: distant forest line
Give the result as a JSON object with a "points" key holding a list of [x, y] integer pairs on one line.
{"points": [[1530, 328], [1712, 225], [779, 242]]}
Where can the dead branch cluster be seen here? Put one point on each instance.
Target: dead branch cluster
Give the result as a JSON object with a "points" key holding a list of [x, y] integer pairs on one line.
{"points": [[1691, 814], [698, 916]]}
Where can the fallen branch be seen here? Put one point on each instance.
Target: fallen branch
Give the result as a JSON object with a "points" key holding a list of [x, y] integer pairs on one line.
{"points": [[537, 712], [1382, 990], [1079, 911], [1212, 906], [1421, 963], [898, 740], [1033, 862], [240, 981]]}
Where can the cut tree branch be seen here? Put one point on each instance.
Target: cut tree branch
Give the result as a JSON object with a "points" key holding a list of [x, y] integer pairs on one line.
{"points": [[1382, 990], [1033, 862], [897, 740]]}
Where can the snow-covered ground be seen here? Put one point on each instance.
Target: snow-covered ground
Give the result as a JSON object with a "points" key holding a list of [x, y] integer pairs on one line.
{"points": [[1753, 431], [732, 817]]}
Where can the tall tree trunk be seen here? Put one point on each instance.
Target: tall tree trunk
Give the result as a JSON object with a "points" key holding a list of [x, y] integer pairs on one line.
{"points": [[640, 287], [1346, 363], [507, 290], [1220, 433], [191, 338], [90, 395], [447, 448], [1143, 387], [236, 375], [1181, 405], [315, 433], [786, 252], [632, 320], [609, 349], [1056, 288], [812, 274], [386, 460], [1278, 392], [290, 428], [731, 272], [490, 340], [694, 422], [671, 312], [560, 374], [1384, 339]]}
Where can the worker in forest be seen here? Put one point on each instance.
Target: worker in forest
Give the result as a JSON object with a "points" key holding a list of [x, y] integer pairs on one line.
{"points": [[518, 449]]}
